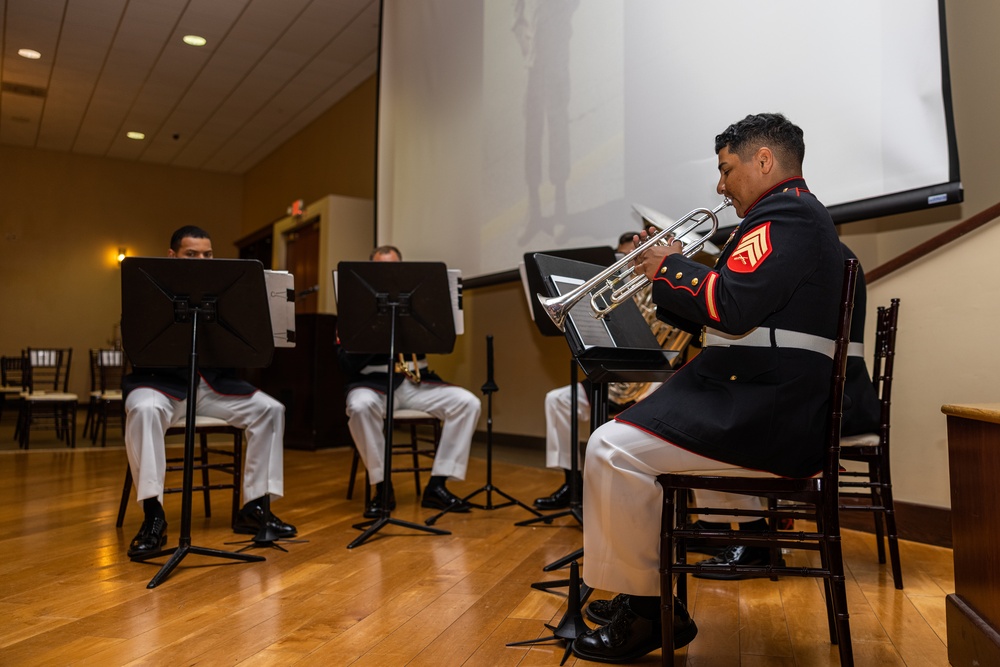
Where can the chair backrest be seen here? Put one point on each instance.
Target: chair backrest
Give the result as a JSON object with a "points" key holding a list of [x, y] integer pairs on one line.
{"points": [[110, 369], [46, 369], [882, 367], [11, 374], [831, 469]]}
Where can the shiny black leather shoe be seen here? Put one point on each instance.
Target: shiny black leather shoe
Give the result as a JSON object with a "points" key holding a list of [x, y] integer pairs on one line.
{"points": [[699, 546], [602, 611], [439, 498], [737, 555], [151, 537], [629, 636], [558, 500], [250, 519], [374, 508]]}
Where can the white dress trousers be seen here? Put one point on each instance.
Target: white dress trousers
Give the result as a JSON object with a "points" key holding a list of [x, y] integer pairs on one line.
{"points": [[558, 408], [149, 413], [458, 408], [622, 505]]}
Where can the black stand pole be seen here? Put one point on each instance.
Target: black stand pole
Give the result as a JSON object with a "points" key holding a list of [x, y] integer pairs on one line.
{"points": [[184, 546], [488, 388], [375, 525], [572, 624], [575, 508]]}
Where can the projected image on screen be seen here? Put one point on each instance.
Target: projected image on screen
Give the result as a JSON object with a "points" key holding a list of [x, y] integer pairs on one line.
{"points": [[508, 126]]}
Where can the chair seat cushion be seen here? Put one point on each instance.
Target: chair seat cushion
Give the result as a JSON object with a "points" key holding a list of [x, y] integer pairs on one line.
{"points": [[202, 421], [54, 396], [406, 413], [863, 440]]}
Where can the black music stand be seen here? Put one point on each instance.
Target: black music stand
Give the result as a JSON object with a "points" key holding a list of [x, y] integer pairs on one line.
{"points": [[187, 313], [488, 388], [601, 256], [619, 348], [389, 307]]}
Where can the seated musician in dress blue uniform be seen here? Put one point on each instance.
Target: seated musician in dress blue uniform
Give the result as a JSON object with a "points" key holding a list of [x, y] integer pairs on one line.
{"points": [[156, 399], [418, 388], [755, 397]]}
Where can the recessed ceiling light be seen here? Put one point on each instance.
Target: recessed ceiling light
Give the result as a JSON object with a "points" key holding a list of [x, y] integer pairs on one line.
{"points": [[138, 136], [194, 40], [31, 54]]}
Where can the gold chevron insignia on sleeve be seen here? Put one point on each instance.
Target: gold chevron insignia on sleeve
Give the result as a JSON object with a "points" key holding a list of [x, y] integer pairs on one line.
{"points": [[752, 250]]}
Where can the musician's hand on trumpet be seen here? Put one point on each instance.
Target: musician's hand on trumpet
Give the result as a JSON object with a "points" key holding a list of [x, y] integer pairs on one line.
{"points": [[648, 262]]}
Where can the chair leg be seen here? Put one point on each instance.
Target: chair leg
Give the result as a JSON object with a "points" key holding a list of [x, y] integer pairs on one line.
{"points": [[890, 526], [71, 409], [354, 474], [876, 500], [237, 471], [126, 492]]}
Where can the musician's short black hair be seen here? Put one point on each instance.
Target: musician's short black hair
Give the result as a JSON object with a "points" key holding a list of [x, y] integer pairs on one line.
{"points": [[627, 237], [187, 231], [385, 250], [772, 130]]}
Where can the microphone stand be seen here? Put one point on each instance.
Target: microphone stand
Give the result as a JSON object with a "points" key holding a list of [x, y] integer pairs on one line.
{"points": [[488, 389]]}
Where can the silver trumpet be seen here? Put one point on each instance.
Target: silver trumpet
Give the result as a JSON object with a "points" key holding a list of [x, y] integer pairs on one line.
{"points": [[617, 283]]}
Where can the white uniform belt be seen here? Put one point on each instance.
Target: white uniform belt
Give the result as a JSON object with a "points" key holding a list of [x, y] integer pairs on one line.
{"points": [[385, 369], [761, 337]]}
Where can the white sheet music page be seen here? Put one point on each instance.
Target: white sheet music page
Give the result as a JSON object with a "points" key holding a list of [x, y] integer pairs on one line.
{"points": [[593, 332]]}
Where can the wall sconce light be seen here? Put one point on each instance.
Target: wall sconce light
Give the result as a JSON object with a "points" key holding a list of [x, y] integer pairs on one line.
{"points": [[122, 254]]}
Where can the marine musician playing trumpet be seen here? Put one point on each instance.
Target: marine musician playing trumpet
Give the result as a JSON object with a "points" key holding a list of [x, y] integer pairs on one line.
{"points": [[753, 398], [417, 388]]}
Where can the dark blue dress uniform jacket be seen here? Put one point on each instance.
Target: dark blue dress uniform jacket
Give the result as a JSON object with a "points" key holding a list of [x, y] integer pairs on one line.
{"points": [[353, 363], [763, 408], [174, 381]]}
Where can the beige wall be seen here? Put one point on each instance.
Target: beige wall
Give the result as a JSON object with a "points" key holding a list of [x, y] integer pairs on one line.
{"points": [[62, 219], [335, 154]]}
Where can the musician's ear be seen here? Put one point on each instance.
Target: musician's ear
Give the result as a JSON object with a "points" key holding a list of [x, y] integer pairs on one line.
{"points": [[764, 160]]}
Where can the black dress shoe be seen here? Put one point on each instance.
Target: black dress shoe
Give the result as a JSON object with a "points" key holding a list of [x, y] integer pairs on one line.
{"points": [[250, 520], [629, 636], [737, 555], [374, 508], [439, 498], [698, 546], [558, 500], [151, 537], [602, 611]]}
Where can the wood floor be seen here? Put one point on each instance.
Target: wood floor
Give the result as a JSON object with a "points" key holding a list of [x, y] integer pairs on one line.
{"points": [[69, 595]]}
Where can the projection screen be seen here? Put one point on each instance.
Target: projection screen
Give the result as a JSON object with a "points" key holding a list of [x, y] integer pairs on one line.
{"points": [[509, 126]]}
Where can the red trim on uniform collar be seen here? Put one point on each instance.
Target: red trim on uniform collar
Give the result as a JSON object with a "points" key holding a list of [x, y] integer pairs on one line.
{"points": [[773, 189]]}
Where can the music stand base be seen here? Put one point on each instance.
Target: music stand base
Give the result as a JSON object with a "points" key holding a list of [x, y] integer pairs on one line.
{"points": [[572, 624], [178, 553], [373, 526]]}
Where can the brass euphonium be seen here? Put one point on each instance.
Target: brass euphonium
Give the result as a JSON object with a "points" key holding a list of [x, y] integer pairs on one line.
{"points": [[605, 290]]}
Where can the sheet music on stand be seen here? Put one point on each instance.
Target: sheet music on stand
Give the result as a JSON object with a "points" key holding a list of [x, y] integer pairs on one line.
{"points": [[590, 331], [455, 290]]}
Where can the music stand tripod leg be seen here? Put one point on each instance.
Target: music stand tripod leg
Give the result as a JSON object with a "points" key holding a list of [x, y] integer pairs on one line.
{"points": [[572, 624]]}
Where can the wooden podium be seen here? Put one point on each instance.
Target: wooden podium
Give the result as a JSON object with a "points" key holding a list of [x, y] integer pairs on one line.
{"points": [[973, 611]]}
